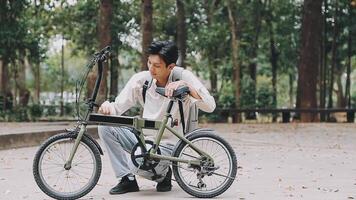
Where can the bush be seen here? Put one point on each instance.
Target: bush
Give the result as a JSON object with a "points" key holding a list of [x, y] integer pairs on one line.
{"points": [[265, 97], [226, 96], [247, 93], [36, 111], [69, 109], [51, 111], [21, 114], [2, 115]]}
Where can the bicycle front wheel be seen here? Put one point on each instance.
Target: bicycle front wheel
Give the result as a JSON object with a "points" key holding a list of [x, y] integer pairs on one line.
{"points": [[200, 181], [58, 182]]}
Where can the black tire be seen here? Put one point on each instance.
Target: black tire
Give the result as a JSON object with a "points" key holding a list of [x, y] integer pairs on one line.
{"points": [[195, 191], [89, 145]]}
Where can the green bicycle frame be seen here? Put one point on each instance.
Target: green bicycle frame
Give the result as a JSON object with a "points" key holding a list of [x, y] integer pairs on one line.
{"points": [[153, 151], [140, 123]]}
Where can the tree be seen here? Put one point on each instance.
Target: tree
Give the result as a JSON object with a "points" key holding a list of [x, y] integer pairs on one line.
{"points": [[16, 40], [181, 32], [309, 57], [273, 52], [235, 56], [258, 8], [146, 30], [105, 39]]}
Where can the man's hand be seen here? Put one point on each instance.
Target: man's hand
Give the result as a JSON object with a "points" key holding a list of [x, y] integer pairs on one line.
{"points": [[105, 108], [175, 85]]}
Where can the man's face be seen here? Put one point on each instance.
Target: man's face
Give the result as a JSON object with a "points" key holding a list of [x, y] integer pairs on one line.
{"points": [[158, 68]]}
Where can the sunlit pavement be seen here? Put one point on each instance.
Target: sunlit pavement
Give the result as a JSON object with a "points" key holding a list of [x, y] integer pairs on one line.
{"points": [[276, 161]]}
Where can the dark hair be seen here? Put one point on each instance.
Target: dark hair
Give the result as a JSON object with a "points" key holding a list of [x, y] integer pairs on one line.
{"points": [[167, 50]]}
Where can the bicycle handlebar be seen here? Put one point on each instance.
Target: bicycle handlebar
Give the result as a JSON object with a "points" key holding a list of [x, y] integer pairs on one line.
{"points": [[101, 56]]}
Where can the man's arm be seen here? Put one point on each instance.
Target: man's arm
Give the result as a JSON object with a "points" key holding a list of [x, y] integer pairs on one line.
{"points": [[127, 98], [174, 85], [198, 91]]}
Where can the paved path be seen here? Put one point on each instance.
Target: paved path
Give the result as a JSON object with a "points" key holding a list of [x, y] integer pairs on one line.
{"points": [[30, 127], [277, 161], [26, 134]]}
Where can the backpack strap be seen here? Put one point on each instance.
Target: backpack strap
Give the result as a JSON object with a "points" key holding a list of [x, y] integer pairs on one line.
{"points": [[180, 104], [144, 90], [145, 86], [176, 76]]}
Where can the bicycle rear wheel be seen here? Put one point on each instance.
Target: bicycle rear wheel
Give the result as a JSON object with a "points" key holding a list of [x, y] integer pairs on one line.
{"points": [[197, 180], [58, 182]]}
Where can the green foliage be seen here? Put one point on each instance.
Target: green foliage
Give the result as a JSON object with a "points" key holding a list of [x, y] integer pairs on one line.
{"points": [[52, 72], [247, 93], [30, 27], [78, 23], [15, 115], [226, 95], [69, 109], [51, 111], [35, 111], [264, 96]]}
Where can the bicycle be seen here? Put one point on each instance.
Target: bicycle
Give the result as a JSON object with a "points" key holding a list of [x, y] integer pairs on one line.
{"points": [[204, 164]]}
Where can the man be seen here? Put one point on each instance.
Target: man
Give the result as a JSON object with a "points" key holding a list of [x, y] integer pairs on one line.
{"points": [[119, 140]]}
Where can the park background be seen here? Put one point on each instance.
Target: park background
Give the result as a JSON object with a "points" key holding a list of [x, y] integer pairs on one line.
{"points": [[251, 54]]}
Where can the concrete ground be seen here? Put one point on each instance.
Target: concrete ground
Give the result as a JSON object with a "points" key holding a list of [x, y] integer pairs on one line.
{"points": [[276, 161]]}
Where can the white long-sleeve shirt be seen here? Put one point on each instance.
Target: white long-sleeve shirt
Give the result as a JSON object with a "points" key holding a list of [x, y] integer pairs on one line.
{"points": [[155, 105]]}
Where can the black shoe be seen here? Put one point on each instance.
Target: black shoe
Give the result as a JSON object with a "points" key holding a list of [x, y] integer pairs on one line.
{"points": [[125, 185], [165, 185]]}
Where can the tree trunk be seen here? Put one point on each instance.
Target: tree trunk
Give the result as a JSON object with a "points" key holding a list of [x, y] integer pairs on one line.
{"points": [[36, 65], [273, 56], [14, 71], [235, 45], [1, 86], [258, 9], [62, 80], [341, 103], [334, 55], [146, 30], [348, 73], [291, 95], [24, 93], [114, 76], [7, 95], [323, 65], [210, 7], [37, 77], [309, 58], [1, 77], [349, 55], [3, 81], [104, 35], [181, 33]]}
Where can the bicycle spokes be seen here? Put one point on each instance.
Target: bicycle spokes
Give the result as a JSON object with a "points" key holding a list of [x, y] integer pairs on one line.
{"points": [[57, 177], [208, 176]]}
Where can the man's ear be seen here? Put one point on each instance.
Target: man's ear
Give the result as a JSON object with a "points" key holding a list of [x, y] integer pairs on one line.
{"points": [[171, 66]]}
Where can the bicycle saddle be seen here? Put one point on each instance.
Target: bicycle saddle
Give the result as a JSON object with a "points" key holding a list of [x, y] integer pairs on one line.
{"points": [[180, 92]]}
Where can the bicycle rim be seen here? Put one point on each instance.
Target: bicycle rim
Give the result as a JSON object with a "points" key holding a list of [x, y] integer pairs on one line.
{"points": [[72, 182], [222, 159]]}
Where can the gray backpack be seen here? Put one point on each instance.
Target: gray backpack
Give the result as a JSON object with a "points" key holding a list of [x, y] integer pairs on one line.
{"points": [[192, 122]]}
